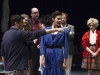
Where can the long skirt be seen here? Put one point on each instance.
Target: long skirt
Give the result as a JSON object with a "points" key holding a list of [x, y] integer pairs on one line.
{"points": [[90, 62], [53, 62]]}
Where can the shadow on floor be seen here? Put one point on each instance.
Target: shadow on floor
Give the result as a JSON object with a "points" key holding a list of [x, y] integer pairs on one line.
{"points": [[79, 71]]}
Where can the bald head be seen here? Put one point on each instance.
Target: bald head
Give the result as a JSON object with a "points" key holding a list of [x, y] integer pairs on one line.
{"points": [[34, 10], [35, 13]]}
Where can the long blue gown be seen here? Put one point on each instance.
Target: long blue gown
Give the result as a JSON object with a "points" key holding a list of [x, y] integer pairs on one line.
{"points": [[54, 56]]}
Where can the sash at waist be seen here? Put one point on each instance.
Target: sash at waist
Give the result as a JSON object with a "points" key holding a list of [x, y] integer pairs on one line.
{"points": [[53, 46], [92, 44]]}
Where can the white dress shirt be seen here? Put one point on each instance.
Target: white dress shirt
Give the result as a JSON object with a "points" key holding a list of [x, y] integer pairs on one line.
{"points": [[93, 37]]}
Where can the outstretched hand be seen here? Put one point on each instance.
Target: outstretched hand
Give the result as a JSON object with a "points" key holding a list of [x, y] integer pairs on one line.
{"points": [[60, 29]]}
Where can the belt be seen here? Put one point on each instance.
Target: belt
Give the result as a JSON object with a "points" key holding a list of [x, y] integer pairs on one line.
{"points": [[53, 46], [92, 44]]}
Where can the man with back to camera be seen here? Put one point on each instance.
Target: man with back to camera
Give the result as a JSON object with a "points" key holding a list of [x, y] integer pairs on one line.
{"points": [[14, 49]]}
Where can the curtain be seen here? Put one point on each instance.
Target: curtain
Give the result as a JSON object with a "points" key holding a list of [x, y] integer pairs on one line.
{"points": [[5, 16]]}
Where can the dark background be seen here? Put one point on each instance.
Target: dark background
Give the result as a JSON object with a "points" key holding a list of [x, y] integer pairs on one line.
{"points": [[79, 12]]}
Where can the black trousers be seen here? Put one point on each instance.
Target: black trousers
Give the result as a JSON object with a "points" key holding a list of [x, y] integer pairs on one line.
{"points": [[35, 60]]}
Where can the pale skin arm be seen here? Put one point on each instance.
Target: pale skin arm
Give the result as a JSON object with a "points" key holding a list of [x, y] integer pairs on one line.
{"points": [[54, 30], [65, 60], [42, 61], [93, 54], [3, 60], [50, 31], [87, 48], [98, 50], [64, 64]]}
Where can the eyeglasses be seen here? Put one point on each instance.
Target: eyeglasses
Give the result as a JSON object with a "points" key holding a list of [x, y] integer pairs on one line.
{"points": [[35, 12]]}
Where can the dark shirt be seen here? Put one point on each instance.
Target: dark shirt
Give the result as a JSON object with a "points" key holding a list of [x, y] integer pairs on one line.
{"points": [[14, 47]]}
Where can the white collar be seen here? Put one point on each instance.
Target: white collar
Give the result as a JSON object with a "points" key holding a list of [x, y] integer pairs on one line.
{"points": [[64, 25], [92, 32]]}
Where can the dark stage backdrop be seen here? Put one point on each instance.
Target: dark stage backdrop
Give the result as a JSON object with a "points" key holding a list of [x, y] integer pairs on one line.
{"points": [[1, 3], [79, 11]]}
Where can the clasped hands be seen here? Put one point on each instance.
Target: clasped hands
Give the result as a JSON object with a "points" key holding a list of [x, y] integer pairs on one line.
{"points": [[94, 54]]}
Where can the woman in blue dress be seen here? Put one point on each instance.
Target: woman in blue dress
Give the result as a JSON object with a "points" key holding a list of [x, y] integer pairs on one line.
{"points": [[54, 58]]}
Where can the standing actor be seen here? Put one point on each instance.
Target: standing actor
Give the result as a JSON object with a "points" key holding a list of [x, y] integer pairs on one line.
{"points": [[71, 45], [35, 25], [91, 45]]}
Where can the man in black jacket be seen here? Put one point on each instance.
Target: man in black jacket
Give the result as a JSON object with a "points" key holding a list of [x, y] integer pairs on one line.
{"points": [[14, 50]]}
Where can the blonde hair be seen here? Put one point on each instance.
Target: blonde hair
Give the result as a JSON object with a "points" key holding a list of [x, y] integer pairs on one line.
{"points": [[94, 21], [27, 27]]}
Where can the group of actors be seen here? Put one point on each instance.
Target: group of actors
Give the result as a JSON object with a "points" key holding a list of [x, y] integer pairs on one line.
{"points": [[32, 45]]}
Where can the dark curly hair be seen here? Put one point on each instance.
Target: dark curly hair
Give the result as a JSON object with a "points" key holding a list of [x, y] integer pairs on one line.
{"points": [[46, 20]]}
